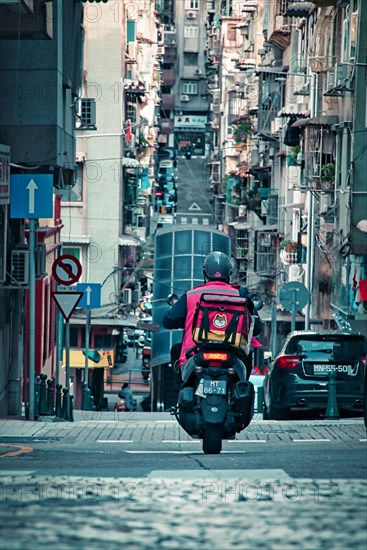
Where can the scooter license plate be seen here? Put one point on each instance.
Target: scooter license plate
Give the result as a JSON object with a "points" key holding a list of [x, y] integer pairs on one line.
{"points": [[211, 387]]}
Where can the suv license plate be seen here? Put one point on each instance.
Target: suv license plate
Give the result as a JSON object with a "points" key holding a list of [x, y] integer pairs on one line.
{"points": [[325, 369], [211, 387]]}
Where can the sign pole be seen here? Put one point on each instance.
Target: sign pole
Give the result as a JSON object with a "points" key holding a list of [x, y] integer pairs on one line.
{"points": [[87, 332], [67, 353], [293, 318], [32, 316]]}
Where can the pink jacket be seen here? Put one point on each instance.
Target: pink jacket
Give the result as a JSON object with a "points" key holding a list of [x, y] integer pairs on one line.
{"points": [[193, 297]]}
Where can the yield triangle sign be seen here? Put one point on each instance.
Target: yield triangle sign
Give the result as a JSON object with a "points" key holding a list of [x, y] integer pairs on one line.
{"points": [[194, 206], [67, 302]]}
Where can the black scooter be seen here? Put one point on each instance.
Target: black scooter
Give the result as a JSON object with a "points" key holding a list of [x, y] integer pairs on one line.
{"points": [[215, 401]]}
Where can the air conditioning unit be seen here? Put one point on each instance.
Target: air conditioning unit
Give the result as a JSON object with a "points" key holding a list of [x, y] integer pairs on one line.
{"points": [[20, 266], [132, 50], [191, 15], [185, 98], [160, 50], [199, 71], [325, 202], [127, 296]]}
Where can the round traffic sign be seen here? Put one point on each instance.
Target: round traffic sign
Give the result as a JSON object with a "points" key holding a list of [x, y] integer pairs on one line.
{"points": [[295, 295], [66, 269]]}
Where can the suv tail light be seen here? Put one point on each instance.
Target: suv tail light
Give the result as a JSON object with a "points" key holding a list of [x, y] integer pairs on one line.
{"points": [[288, 361]]}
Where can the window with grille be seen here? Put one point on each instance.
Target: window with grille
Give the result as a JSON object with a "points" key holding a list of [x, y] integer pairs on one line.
{"points": [[191, 31], [88, 112], [190, 88]]}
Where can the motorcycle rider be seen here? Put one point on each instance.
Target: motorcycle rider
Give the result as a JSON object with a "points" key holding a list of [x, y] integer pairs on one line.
{"points": [[217, 271]]}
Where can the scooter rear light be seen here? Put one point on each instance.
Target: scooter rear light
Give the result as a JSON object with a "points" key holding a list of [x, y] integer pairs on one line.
{"points": [[215, 356], [288, 361]]}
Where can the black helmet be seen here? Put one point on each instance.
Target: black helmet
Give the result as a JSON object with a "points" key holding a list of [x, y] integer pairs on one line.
{"points": [[217, 266]]}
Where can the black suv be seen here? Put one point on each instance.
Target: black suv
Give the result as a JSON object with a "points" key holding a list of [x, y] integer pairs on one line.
{"points": [[298, 377]]}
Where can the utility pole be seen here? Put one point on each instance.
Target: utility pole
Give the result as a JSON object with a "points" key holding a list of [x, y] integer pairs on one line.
{"points": [[310, 256]]}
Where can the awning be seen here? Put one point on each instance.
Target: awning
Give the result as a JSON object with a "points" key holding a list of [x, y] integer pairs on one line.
{"points": [[301, 123], [299, 9], [128, 240], [239, 225], [130, 162], [325, 120]]}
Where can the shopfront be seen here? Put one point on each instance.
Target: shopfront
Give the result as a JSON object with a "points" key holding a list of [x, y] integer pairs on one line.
{"points": [[189, 132]]}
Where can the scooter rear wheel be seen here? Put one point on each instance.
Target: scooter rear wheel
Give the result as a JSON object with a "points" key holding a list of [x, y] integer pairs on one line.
{"points": [[212, 440]]}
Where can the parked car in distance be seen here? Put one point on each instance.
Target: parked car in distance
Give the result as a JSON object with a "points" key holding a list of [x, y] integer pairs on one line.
{"points": [[297, 379], [167, 153], [169, 203]]}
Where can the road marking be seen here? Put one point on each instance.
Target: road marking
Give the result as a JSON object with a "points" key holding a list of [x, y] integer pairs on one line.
{"points": [[178, 441], [178, 452], [309, 440], [274, 476], [246, 441], [363, 440], [21, 449], [115, 441], [166, 421]]}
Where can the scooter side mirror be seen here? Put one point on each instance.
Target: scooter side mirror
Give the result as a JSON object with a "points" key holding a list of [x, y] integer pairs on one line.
{"points": [[171, 299], [259, 304]]}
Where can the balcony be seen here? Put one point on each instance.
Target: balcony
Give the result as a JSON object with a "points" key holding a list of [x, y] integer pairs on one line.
{"points": [[168, 102], [266, 250], [170, 54], [168, 77]]}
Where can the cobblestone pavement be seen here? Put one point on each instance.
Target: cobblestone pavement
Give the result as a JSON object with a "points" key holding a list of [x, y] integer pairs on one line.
{"points": [[202, 509], [79, 513]]}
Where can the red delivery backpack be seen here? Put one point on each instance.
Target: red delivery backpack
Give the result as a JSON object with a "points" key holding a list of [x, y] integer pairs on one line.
{"points": [[222, 318]]}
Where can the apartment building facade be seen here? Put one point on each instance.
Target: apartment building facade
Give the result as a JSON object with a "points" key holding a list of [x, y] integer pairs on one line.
{"points": [[289, 134]]}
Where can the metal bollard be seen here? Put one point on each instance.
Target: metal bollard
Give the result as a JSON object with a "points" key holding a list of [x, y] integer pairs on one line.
{"points": [[65, 404], [85, 396], [50, 396], [332, 412], [36, 396], [43, 410], [71, 408], [260, 400], [92, 406], [87, 399], [58, 411]]}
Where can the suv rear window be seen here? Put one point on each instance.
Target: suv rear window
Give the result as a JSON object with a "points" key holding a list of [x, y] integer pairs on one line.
{"points": [[338, 348]]}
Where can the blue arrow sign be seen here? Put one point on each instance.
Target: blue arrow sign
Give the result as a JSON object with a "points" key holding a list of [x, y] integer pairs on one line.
{"points": [[31, 196], [91, 295]]}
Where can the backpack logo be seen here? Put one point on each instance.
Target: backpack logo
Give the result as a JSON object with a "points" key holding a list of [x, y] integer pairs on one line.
{"points": [[220, 320]]}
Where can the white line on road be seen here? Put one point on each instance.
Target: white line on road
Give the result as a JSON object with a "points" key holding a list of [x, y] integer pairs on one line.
{"points": [[246, 441], [115, 441], [166, 421], [178, 441], [309, 440], [177, 452], [363, 440]]}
